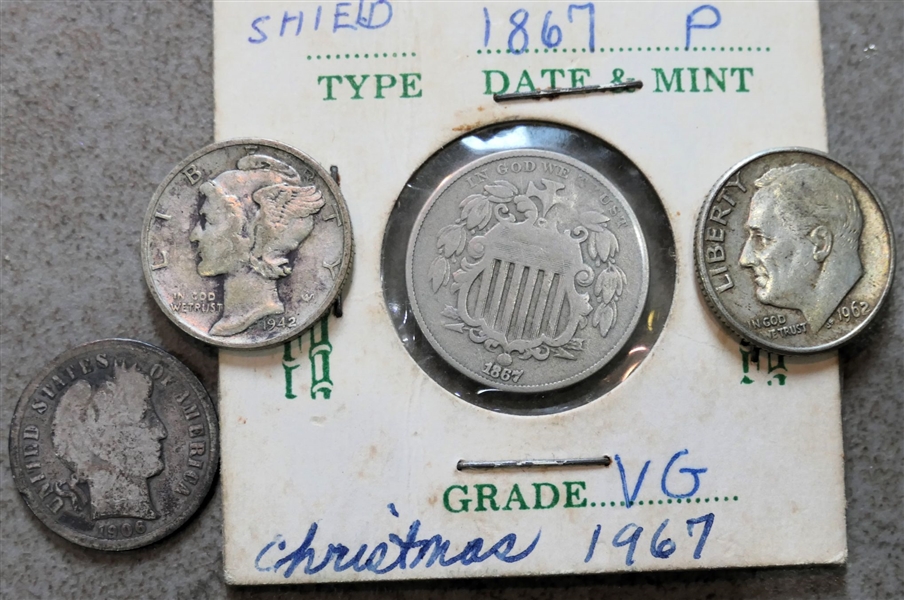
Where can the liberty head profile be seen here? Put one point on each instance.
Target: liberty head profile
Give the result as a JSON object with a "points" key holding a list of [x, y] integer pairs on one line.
{"points": [[251, 219], [803, 243], [109, 437]]}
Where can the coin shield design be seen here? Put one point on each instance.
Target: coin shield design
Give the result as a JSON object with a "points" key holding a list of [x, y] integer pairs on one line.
{"points": [[527, 270], [114, 445], [246, 243], [793, 251]]}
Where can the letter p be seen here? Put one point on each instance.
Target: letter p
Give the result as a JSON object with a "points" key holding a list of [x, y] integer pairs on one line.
{"points": [[384, 82], [690, 24]]}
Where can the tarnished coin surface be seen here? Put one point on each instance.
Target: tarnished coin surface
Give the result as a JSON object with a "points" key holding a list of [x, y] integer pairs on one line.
{"points": [[793, 251], [114, 444], [246, 243], [527, 270]]}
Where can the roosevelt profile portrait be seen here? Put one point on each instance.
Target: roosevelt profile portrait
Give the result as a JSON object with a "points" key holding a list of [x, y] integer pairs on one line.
{"points": [[803, 242], [250, 221], [109, 437]]}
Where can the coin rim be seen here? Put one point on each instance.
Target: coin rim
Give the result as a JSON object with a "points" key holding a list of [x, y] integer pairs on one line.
{"points": [[203, 487], [603, 156], [716, 306], [559, 384], [338, 284]]}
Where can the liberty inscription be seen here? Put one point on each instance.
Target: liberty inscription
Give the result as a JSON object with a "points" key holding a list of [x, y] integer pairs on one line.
{"points": [[114, 445], [793, 251], [252, 232]]}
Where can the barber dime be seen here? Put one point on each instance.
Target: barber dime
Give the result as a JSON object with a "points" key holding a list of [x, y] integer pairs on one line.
{"points": [[527, 270], [246, 243], [793, 251], [114, 445]]}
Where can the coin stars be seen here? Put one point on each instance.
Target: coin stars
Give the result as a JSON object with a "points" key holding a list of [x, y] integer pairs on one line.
{"points": [[503, 248]]}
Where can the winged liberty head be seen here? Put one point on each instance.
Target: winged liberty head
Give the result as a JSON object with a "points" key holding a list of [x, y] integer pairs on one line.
{"points": [[251, 219]]}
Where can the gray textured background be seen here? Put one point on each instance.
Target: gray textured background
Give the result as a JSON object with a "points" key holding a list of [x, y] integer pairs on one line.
{"points": [[100, 100]]}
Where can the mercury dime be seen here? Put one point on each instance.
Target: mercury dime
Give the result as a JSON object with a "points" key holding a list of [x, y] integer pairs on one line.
{"points": [[793, 251], [114, 445], [527, 270], [246, 243]]}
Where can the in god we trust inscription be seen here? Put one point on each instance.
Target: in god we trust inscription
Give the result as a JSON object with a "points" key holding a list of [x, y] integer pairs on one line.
{"points": [[596, 178], [527, 270], [793, 251]]}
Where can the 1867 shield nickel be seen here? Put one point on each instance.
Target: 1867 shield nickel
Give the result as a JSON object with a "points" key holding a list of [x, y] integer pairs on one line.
{"points": [[793, 251], [527, 270], [114, 444], [246, 243]]}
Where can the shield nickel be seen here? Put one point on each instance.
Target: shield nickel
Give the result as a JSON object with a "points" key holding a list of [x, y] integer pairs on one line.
{"points": [[114, 445], [793, 251], [527, 270], [246, 243]]}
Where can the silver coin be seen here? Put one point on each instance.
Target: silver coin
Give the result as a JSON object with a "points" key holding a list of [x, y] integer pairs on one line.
{"points": [[246, 243], [114, 444], [527, 270], [794, 252]]}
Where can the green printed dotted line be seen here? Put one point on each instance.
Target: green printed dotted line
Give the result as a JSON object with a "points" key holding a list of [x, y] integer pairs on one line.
{"points": [[632, 49], [360, 55], [668, 501]]}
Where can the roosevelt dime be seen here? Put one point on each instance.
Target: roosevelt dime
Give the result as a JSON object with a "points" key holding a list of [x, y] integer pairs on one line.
{"points": [[793, 251], [246, 243], [527, 270], [114, 444]]}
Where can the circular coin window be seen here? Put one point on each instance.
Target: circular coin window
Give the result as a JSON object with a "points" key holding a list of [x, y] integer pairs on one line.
{"points": [[528, 267]]}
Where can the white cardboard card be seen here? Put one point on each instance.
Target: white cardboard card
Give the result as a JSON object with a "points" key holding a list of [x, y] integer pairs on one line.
{"points": [[339, 454]]}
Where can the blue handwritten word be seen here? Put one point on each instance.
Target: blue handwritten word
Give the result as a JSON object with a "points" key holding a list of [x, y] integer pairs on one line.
{"points": [[630, 493], [551, 35], [370, 14], [429, 551], [659, 548], [691, 24]]}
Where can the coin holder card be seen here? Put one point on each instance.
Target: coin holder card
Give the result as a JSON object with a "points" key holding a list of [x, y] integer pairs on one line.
{"points": [[341, 449]]}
